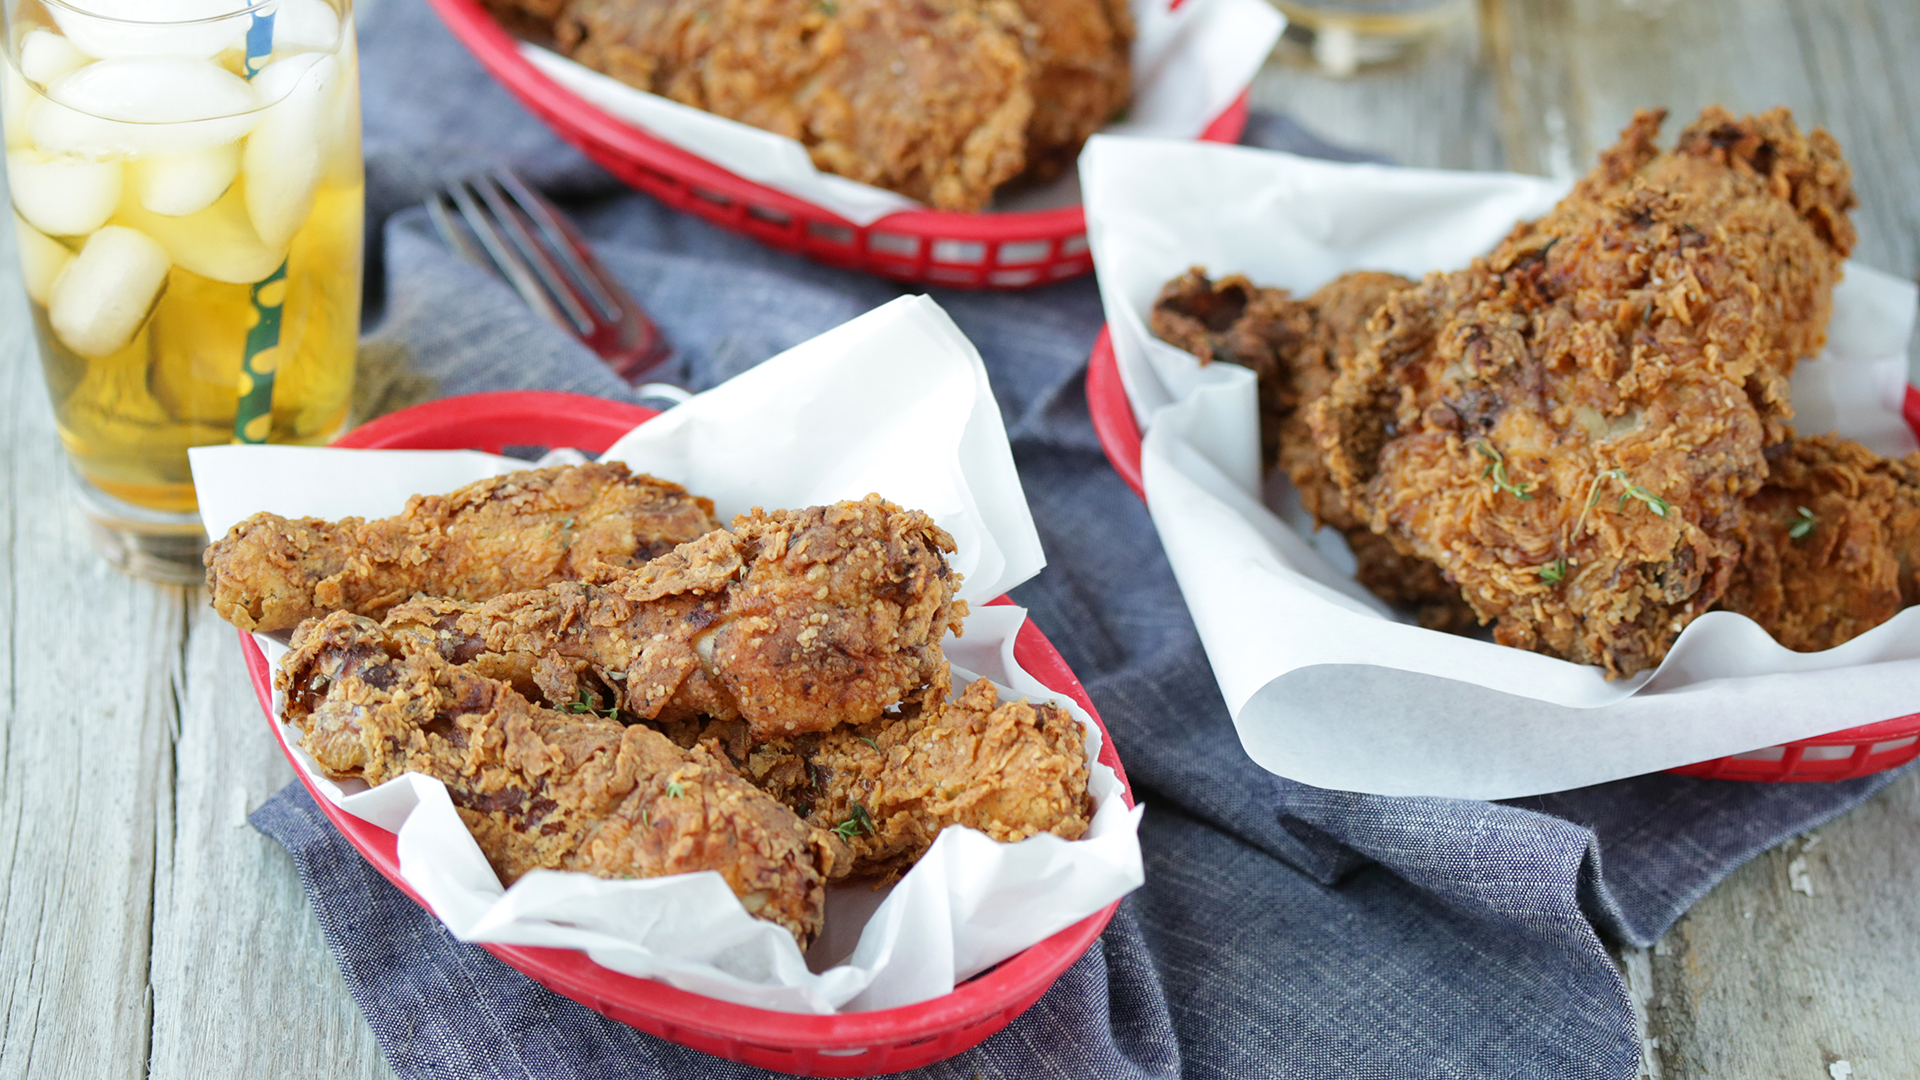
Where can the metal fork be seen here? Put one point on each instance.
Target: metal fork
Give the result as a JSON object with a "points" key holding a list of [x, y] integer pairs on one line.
{"points": [[528, 241]]}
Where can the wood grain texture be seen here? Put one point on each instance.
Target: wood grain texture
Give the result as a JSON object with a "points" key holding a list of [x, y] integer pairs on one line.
{"points": [[237, 952], [1803, 958], [1434, 110], [86, 758], [144, 928]]}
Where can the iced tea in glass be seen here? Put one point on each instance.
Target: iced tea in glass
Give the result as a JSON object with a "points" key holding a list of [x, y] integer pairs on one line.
{"points": [[187, 195]]}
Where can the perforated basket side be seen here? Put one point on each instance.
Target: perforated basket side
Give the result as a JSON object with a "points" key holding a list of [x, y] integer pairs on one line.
{"points": [[991, 250], [852, 1044], [1839, 755]]}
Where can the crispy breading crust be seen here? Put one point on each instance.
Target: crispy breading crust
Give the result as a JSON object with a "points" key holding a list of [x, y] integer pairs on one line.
{"points": [[1295, 349], [1570, 426], [795, 620], [512, 532], [543, 789], [1830, 543], [1083, 77], [1010, 770], [930, 98]]}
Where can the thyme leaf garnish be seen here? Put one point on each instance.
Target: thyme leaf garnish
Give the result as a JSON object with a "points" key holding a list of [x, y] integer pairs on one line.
{"points": [[870, 742], [856, 823], [587, 703], [1554, 572], [1803, 525], [1496, 470], [674, 790], [1630, 490]]}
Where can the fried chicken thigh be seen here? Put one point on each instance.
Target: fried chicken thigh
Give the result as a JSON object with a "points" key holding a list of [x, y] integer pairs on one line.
{"points": [[888, 788], [794, 620], [544, 789], [1296, 349], [1831, 543], [517, 531], [1570, 426], [930, 98]]}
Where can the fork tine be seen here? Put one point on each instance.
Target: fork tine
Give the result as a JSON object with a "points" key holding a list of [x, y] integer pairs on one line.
{"points": [[458, 240], [575, 255], [504, 258], [533, 255]]}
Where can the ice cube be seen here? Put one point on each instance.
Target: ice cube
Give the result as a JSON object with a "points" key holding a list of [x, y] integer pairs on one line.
{"points": [[107, 291], [305, 26], [62, 196], [288, 148], [41, 259], [45, 56], [15, 96], [217, 243], [142, 105], [186, 183], [110, 29]]}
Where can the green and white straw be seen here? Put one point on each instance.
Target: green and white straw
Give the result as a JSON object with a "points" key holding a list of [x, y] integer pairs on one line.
{"points": [[253, 416]]}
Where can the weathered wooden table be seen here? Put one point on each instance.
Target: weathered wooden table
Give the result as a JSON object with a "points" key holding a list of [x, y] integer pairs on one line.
{"points": [[145, 929]]}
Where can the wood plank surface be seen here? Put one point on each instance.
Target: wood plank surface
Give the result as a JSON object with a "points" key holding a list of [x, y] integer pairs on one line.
{"points": [[1802, 959], [145, 928], [237, 953]]}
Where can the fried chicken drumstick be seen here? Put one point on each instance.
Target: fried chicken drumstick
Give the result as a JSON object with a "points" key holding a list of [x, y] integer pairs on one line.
{"points": [[794, 621], [1570, 426], [888, 788], [544, 789], [503, 534], [1296, 348]]}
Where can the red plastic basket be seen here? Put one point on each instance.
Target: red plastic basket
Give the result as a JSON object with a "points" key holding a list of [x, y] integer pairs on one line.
{"points": [[935, 247], [1841, 755], [851, 1044]]}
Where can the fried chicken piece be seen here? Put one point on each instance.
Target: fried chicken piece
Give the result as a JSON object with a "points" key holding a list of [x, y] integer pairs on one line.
{"points": [[1831, 543], [888, 788], [1570, 426], [1083, 77], [517, 531], [543, 789], [795, 621], [930, 98], [1295, 349]]}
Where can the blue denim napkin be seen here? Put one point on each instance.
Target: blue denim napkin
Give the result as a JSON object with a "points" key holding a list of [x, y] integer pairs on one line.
{"points": [[1283, 930]]}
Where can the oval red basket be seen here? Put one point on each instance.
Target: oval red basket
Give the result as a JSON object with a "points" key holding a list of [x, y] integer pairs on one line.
{"points": [[1840, 755], [850, 1044], [935, 247]]}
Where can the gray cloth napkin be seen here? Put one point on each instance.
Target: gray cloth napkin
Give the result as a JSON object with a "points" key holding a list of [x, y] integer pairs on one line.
{"points": [[1283, 930]]}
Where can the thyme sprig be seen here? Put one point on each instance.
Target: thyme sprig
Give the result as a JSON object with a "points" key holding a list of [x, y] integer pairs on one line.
{"points": [[1803, 525], [675, 790], [1554, 572], [587, 703], [856, 823], [1629, 490], [1496, 470]]}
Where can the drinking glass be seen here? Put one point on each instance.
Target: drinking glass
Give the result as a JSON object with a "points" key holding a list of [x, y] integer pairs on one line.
{"points": [[187, 194], [1343, 36]]}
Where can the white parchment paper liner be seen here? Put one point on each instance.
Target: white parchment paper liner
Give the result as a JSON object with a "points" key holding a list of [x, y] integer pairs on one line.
{"points": [[1189, 63], [1325, 684], [897, 402]]}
